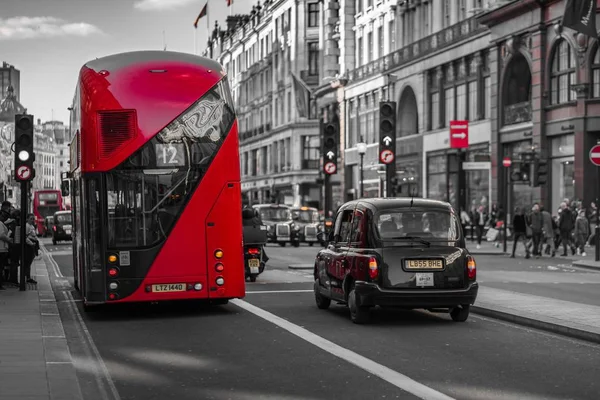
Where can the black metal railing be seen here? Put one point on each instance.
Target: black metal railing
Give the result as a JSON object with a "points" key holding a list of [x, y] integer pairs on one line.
{"points": [[517, 113], [310, 164], [429, 44]]}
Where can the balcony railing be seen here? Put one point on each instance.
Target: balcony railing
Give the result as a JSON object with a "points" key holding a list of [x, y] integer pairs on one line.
{"points": [[429, 44], [254, 132], [517, 113], [310, 164]]}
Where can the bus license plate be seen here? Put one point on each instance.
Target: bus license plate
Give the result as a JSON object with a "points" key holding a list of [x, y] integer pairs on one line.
{"points": [[170, 287]]}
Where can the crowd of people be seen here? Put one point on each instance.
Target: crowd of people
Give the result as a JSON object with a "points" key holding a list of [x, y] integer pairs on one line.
{"points": [[540, 232], [10, 248]]}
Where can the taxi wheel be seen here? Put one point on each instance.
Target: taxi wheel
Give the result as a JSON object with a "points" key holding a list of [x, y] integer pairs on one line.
{"points": [[461, 313], [358, 315], [323, 302]]}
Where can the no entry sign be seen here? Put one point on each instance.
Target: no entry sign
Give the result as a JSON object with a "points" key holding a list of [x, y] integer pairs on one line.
{"points": [[595, 155], [507, 162], [459, 134]]}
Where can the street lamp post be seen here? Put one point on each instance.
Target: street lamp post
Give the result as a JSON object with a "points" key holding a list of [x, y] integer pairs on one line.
{"points": [[362, 149]]}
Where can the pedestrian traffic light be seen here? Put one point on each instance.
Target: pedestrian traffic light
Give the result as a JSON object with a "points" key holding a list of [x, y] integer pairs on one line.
{"points": [[540, 173], [330, 132], [24, 155], [387, 126]]}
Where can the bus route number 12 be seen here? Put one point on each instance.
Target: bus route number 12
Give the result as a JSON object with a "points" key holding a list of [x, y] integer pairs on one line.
{"points": [[170, 155]]}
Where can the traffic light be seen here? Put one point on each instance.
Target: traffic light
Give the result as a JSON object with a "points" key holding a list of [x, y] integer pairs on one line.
{"points": [[540, 173], [329, 145], [387, 127], [24, 155], [521, 172]]}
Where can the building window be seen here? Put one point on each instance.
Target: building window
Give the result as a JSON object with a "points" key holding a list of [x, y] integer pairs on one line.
{"points": [[313, 58], [313, 15], [487, 97], [473, 101], [380, 40], [370, 46], [446, 13], [359, 6], [359, 49], [437, 178], [596, 74], [426, 16], [310, 152], [392, 36], [370, 132], [449, 105], [353, 128], [435, 110], [563, 74], [461, 102]]}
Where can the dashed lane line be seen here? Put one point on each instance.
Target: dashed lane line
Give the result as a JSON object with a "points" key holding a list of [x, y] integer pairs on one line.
{"points": [[387, 374]]}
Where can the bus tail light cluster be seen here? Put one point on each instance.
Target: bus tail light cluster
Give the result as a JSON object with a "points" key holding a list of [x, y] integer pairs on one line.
{"points": [[373, 268], [219, 267], [471, 268]]}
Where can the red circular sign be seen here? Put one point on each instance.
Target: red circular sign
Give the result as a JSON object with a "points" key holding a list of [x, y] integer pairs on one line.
{"points": [[330, 168], [23, 173], [386, 156], [507, 162], [595, 155]]}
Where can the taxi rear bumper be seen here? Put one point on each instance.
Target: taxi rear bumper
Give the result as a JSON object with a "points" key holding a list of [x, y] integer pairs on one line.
{"points": [[370, 295]]}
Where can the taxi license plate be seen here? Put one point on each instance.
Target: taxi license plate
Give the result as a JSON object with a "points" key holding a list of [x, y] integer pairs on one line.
{"points": [[68, 231], [169, 287], [424, 279], [424, 264]]}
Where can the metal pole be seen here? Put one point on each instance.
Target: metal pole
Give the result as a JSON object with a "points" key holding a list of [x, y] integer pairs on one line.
{"points": [[506, 209], [362, 177], [597, 230], [22, 286]]}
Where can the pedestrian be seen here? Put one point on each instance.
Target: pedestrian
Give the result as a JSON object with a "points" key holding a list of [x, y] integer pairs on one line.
{"points": [[549, 227], [14, 248], [520, 231], [537, 226], [31, 247], [480, 220], [566, 225], [582, 232], [4, 242]]}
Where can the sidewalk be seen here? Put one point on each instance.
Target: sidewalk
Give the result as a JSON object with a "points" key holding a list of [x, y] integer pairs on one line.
{"points": [[35, 361], [567, 318]]}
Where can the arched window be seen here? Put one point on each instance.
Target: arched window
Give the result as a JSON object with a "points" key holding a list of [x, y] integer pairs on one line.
{"points": [[596, 74], [563, 74]]}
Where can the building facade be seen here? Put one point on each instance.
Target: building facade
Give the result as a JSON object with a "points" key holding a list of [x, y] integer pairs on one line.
{"points": [[10, 76], [263, 53], [432, 58], [546, 98]]}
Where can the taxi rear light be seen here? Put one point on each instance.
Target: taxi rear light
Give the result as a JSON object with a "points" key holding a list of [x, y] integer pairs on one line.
{"points": [[373, 268], [471, 268]]}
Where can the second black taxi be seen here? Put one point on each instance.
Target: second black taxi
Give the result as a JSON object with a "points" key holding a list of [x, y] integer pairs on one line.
{"points": [[408, 253]]}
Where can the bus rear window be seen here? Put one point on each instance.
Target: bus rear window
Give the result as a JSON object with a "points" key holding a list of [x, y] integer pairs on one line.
{"points": [[48, 196]]}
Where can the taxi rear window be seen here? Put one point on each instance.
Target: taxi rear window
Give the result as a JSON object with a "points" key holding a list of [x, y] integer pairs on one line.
{"points": [[427, 224]]}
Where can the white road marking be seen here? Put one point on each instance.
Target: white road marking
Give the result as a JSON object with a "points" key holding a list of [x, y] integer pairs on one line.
{"points": [[92, 345], [53, 263], [280, 291], [59, 362], [389, 375]]}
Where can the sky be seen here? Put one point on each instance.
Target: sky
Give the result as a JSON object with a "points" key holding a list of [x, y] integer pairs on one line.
{"points": [[49, 40]]}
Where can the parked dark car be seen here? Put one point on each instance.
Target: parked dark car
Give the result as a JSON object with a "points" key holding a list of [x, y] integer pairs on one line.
{"points": [[308, 222], [62, 227], [281, 228], [406, 253]]}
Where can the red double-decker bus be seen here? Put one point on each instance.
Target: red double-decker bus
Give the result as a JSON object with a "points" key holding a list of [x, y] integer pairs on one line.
{"points": [[155, 181], [45, 204]]}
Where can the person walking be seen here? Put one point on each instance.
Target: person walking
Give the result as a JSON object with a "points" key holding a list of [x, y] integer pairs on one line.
{"points": [[549, 227], [31, 247], [566, 225], [537, 226], [520, 231], [4, 242], [582, 232]]}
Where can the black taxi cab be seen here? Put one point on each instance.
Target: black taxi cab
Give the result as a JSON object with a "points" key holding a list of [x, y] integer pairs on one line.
{"points": [[308, 221], [281, 228], [403, 252]]}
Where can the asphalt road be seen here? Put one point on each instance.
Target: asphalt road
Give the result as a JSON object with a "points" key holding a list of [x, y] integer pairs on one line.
{"points": [[277, 344]]}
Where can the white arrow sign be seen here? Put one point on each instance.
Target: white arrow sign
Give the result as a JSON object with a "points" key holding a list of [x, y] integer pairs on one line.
{"points": [[330, 154], [459, 135], [387, 140]]}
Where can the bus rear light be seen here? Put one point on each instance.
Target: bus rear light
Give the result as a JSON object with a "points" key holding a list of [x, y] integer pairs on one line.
{"points": [[112, 259], [253, 251], [471, 268], [113, 296], [219, 267], [198, 286], [113, 286], [220, 281], [113, 272], [218, 254], [373, 268]]}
